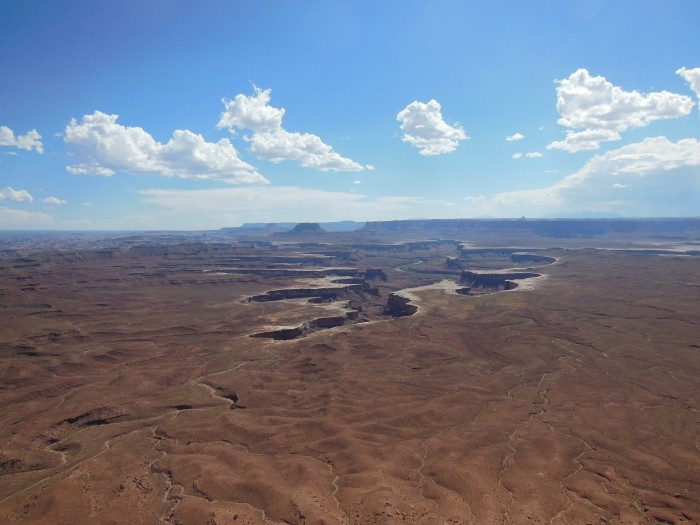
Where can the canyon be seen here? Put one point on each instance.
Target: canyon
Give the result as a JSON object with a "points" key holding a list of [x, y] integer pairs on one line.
{"points": [[395, 374]]}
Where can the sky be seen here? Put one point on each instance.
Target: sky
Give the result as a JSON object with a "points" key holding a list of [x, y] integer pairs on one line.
{"points": [[179, 115]]}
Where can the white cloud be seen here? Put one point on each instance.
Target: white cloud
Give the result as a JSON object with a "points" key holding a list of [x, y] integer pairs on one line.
{"points": [[423, 127], [517, 156], [584, 101], [92, 168], [54, 201], [311, 152], [661, 178], [21, 219], [104, 147], [534, 155], [210, 208], [15, 195], [357, 182], [30, 141], [477, 201], [252, 113], [603, 110], [692, 77], [586, 140], [652, 156], [270, 141], [515, 137]]}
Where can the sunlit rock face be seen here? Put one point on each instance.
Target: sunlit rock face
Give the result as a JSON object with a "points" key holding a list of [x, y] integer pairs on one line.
{"points": [[398, 306]]}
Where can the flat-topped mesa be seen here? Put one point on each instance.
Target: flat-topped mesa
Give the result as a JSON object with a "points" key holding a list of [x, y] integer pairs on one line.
{"points": [[495, 257], [296, 293], [493, 282], [289, 272], [307, 228], [309, 327], [326, 293], [399, 306], [530, 259]]}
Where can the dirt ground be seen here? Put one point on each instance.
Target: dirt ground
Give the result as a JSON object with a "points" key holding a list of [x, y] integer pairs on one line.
{"points": [[132, 391]]}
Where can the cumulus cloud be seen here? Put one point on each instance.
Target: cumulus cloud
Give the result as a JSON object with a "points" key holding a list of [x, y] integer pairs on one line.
{"points": [[660, 177], [252, 112], [103, 147], [423, 127], [15, 195], [586, 140], [309, 150], [517, 156], [584, 101], [603, 110], [692, 77], [515, 137], [53, 201], [30, 141], [270, 141]]}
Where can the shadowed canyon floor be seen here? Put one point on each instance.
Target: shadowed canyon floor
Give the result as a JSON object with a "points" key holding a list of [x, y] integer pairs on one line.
{"points": [[133, 392]]}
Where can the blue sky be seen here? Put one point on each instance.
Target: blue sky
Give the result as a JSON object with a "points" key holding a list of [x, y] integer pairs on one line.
{"points": [[183, 115]]}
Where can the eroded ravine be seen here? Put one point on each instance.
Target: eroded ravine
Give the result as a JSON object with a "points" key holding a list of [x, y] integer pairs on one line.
{"points": [[445, 411]]}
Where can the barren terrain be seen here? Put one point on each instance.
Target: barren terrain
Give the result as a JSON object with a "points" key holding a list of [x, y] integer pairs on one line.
{"points": [[237, 383]]}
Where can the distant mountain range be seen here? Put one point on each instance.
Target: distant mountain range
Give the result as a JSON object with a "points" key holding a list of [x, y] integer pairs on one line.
{"points": [[455, 228], [540, 227], [278, 227]]}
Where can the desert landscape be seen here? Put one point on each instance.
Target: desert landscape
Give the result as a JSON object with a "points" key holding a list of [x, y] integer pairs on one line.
{"points": [[406, 372]]}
